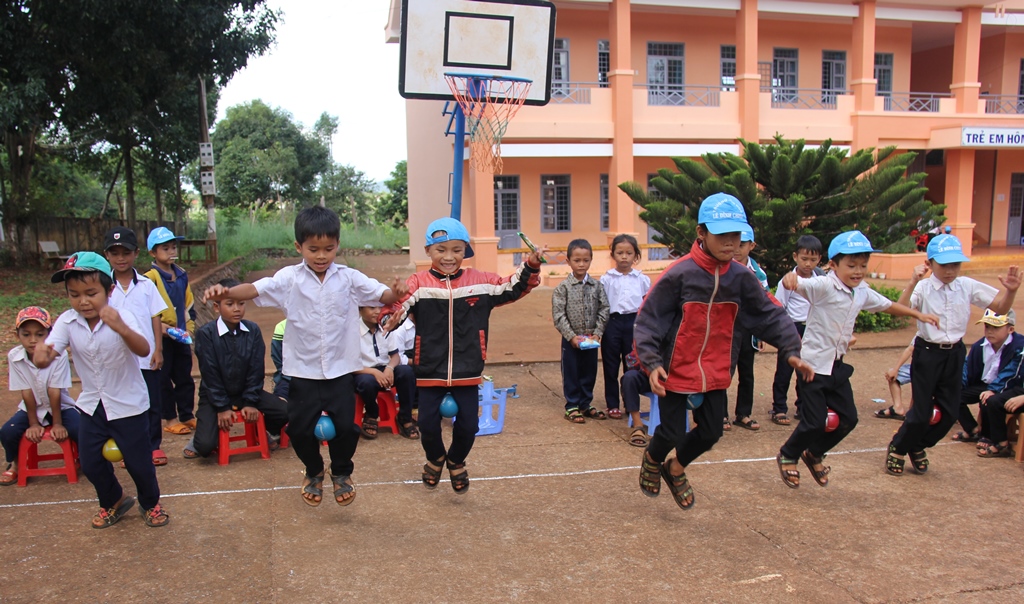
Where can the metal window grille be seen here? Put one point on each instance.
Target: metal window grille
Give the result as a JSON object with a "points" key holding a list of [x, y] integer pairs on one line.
{"points": [[785, 70], [665, 71], [728, 67], [560, 66], [833, 74], [604, 202], [604, 62], [555, 202], [883, 73], [506, 203]]}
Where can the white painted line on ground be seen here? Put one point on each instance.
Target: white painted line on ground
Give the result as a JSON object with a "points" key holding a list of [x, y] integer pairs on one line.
{"points": [[475, 478], [761, 579]]}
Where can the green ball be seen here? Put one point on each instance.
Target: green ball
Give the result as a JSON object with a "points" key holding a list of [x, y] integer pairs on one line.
{"points": [[111, 453]]}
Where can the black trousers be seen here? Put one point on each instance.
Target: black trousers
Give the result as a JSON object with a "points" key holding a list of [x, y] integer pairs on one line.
{"points": [[132, 437], [178, 389], [206, 439], [306, 400], [156, 430], [405, 385], [635, 383], [745, 370], [579, 374], [671, 432], [783, 375], [616, 344], [463, 429], [994, 425], [936, 377], [819, 395], [970, 395]]}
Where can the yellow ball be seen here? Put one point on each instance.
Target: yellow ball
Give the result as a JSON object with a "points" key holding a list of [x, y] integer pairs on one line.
{"points": [[111, 453]]}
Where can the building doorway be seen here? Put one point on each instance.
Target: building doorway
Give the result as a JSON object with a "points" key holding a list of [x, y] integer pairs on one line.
{"points": [[1013, 234]]}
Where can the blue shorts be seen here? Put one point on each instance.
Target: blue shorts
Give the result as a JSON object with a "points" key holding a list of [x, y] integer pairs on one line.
{"points": [[903, 375]]}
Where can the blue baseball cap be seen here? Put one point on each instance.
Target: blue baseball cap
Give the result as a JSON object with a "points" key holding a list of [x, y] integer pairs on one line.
{"points": [[82, 262], [722, 213], [946, 249], [160, 235], [453, 231], [850, 242], [747, 234]]}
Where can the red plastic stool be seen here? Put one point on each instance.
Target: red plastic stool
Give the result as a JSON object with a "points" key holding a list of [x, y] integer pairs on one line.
{"points": [[388, 411], [284, 437], [255, 438], [29, 458]]}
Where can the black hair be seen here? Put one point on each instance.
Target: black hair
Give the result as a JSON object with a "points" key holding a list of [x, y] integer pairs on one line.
{"points": [[106, 281], [228, 283], [809, 244], [317, 221], [858, 256], [579, 244], [631, 240]]}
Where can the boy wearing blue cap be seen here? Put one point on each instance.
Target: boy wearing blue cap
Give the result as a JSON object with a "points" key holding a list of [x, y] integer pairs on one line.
{"points": [[451, 307], [745, 347], [177, 388], [835, 300], [105, 346], [320, 347], [688, 354], [936, 367]]}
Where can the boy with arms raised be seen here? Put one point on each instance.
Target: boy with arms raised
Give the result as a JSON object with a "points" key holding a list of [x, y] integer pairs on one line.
{"points": [[936, 368], [688, 354], [114, 403], [451, 307], [835, 300], [320, 300], [139, 296]]}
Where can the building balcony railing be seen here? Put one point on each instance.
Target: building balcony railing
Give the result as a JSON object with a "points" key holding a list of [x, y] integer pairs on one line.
{"points": [[1003, 103], [804, 98], [916, 102], [682, 95], [573, 93]]}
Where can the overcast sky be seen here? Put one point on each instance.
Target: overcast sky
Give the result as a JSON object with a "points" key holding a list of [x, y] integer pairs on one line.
{"points": [[331, 56]]}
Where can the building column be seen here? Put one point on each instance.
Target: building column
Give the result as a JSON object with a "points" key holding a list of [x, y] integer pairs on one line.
{"points": [[748, 79], [966, 57], [862, 75], [622, 213], [960, 195], [478, 210]]}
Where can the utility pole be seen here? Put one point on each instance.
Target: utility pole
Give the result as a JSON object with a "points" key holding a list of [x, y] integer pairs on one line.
{"points": [[208, 185]]}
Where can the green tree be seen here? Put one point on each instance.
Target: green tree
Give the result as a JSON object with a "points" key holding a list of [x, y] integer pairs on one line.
{"points": [[262, 155], [348, 192], [789, 190], [393, 207]]}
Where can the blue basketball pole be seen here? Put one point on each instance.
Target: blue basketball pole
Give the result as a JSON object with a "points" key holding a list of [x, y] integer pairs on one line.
{"points": [[459, 153]]}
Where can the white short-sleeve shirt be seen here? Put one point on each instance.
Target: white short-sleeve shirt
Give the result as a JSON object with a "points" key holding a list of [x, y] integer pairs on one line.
{"points": [[374, 348], [833, 313], [952, 303], [24, 375], [109, 370], [322, 339], [143, 300], [796, 305], [625, 291]]}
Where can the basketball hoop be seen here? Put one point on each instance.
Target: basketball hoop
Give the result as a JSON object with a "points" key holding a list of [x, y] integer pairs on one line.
{"points": [[488, 102]]}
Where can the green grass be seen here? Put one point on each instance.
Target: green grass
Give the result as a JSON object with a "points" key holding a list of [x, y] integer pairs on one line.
{"points": [[244, 238]]}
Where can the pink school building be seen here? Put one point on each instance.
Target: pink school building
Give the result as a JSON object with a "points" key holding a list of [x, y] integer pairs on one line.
{"points": [[636, 83]]}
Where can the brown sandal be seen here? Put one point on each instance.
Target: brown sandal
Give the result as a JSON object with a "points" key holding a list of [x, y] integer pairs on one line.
{"points": [[819, 476], [432, 476], [369, 428], [790, 477], [638, 438], [680, 487], [650, 476]]}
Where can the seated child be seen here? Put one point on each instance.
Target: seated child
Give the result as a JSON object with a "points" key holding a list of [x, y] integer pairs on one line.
{"points": [[42, 390], [993, 365], [114, 403], [995, 443], [281, 381], [896, 377], [579, 310], [231, 356], [382, 370], [634, 384]]}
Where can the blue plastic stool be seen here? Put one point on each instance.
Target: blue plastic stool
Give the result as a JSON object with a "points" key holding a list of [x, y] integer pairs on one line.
{"points": [[652, 418], [492, 408]]}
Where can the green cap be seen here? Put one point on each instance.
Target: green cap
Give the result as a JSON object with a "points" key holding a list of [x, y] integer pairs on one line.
{"points": [[85, 262]]}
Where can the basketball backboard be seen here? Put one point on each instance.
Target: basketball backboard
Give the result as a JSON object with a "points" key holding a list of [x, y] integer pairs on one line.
{"points": [[511, 38]]}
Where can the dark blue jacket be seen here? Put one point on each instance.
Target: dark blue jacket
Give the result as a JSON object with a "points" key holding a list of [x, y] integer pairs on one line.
{"points": [[1010, 371]]}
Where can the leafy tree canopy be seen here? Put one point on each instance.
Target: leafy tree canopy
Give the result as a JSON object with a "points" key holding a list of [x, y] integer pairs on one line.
{"points": [[393, 207], [789, 190]]}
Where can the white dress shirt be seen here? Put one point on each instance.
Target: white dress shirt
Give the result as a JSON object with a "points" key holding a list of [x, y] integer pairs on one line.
{"points": [[374, 347], [24, 375], [952, 303], [143, 300], [404, 337], [796, 305], [222, 327], [990, 357], [109, 370], [321, 342], [834, 309], [625, 291]]}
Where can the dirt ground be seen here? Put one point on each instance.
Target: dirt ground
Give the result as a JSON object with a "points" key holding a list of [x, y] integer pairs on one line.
{"points": [[553, 515]]}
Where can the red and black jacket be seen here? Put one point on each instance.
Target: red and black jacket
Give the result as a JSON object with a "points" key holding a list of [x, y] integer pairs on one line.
{"points": [[451, 313], [686, 322]]}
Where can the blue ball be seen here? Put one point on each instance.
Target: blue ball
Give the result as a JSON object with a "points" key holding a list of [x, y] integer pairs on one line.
{"points": [[448, 406], [324, 429]]}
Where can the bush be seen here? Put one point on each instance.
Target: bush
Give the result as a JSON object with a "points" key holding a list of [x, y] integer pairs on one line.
{"points": [[868, 321]]}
